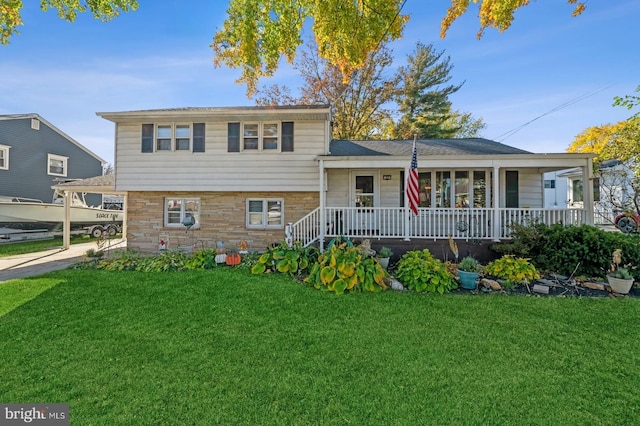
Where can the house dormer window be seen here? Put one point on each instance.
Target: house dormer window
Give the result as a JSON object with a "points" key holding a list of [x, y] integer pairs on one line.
{"points": [[4, 157], [56, 165], [170, 137]]}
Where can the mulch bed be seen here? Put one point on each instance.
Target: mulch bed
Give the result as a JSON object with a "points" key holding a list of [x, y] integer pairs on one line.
{"points": [[552, 285]]}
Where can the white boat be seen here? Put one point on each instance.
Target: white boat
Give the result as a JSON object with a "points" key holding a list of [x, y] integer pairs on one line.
{"points": [[28, 213]]}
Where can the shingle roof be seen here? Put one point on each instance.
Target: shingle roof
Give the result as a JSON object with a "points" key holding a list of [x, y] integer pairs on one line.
{"points": [[467, 146]]}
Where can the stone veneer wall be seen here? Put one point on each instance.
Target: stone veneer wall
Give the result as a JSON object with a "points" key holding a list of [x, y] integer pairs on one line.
{"points": [[222, 218]]}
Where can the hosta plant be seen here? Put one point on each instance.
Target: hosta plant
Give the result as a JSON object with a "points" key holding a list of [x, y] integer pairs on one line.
{"points": [[342, 268], [513, 270], [292, 260], [420, 271]]}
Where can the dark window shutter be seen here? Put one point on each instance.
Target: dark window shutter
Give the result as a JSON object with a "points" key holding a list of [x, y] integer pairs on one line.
{"points": [[233, 135], [147, 138], [287, 136], [198, 137], [511, 189]]}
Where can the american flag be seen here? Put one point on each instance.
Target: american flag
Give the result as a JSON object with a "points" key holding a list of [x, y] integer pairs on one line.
{"points": [[413, 192]]}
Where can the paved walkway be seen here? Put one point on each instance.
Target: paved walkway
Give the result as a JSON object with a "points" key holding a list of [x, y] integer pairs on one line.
{"points": [[31, 264]]}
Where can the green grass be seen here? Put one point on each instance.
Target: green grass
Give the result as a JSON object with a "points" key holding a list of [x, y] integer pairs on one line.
{"points": [[226, 347], [12, 249]]}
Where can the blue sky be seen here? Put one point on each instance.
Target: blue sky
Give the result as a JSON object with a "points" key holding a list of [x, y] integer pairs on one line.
{"points": [[561, 72]]}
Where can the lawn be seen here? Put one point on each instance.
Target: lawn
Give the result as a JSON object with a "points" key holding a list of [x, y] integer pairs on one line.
{"points": [[226, 347]]}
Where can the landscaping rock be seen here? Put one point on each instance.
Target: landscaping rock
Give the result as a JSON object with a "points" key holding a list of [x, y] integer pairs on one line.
{"points": [[492, 284]]}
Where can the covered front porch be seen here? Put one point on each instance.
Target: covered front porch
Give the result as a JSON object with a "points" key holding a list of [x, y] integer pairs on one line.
{"points": [[470, 190], [430, 223]]}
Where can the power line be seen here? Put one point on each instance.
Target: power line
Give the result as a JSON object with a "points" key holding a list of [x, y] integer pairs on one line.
{"points": [[511, 132]]}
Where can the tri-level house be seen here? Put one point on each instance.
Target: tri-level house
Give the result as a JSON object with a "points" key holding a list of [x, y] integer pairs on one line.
{"points": [[262, 174], [34, 154]]}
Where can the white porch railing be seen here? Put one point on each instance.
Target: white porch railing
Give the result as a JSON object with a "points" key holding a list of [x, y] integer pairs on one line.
{"points": [[435, 223]]}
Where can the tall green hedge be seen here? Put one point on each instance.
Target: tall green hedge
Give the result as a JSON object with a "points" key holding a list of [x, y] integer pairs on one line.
{"points": [[562, 249]]}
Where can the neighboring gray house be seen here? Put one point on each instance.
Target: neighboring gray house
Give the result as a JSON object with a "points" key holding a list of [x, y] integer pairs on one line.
{"points": [[34, 155]]}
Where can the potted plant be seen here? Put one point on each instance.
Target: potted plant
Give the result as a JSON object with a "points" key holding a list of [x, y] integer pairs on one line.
{"points": [[619, 277], [383, 256], [469, 270]]}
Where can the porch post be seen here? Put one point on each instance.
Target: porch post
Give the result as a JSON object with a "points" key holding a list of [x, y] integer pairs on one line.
{"points": [[407, 211], [496, 203], [125, 206], [587, 189], [66, 227], [322, 198]]}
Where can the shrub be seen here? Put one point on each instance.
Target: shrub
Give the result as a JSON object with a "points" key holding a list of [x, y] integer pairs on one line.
{"points": [[343, 268], [581, 250], [585, 249], [513, 270], [469, 264], [202, 259], [293, 260], [421, 272]]}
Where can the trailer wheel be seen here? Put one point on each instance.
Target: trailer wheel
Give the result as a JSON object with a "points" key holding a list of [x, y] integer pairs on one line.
{"points": [[112, 230], [96, 231]]}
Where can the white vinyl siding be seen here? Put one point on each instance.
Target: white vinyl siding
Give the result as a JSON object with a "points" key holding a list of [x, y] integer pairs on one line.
{"points": [[217, 169]]}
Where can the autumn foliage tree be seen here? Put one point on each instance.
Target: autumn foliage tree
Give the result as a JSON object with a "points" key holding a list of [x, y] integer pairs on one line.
{"points": [[258, 33], [378, 102], [498, 14], [360, 105], [105, 10], [618, 141]]}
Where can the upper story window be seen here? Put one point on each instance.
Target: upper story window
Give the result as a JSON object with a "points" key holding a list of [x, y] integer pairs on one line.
{"points": [[173, 137], [4, 157], [549, 183], [56, 165], [262, 136]]}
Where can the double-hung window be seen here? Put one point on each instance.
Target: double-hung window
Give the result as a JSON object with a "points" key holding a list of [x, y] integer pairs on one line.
{"points": [[265, 213], [168, 137], [173, 137], [260, 136], [56, 165], [176, 210], [4, 157]]}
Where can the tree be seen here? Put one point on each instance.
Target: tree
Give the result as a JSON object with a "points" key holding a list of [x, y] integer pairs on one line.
{"points": [[257, 33], [619, 141], [363, 107], [422, 99], [105, 10], [464, 124], [359, 105], [496, 14]]}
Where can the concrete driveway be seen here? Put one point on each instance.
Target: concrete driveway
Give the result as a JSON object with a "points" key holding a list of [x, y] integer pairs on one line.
{"points": [[32, 264]]}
